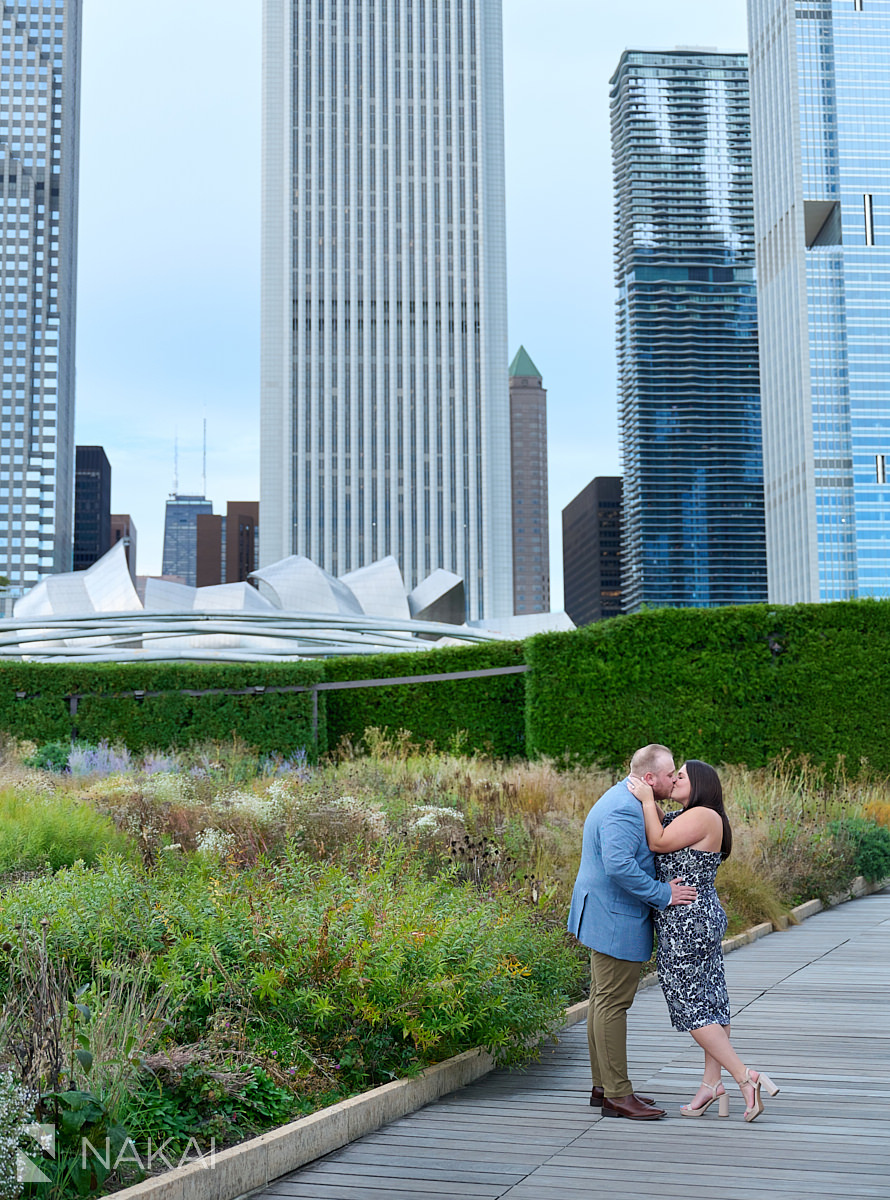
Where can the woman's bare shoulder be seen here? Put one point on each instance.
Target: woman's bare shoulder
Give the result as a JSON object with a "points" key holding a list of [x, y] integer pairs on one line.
{"points": [[702, 817]]}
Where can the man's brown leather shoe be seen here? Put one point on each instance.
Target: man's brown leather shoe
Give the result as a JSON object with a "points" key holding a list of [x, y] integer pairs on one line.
{"points": [[596, 1098], [631, 1107]]}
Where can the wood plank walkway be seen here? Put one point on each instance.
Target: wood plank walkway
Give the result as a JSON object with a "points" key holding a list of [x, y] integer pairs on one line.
{"points": [[810, 1006]]}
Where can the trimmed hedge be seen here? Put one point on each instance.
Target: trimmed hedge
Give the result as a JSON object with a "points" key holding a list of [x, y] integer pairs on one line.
{"points": [[737, 684], [491, 712], [271, 723], [834, 667]]}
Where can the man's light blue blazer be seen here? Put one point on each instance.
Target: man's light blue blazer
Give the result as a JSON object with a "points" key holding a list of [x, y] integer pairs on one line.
{"points": [[616, 888]]}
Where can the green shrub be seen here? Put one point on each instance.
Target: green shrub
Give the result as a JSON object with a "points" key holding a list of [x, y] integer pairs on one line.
{"points": [[728, 685], [486, 715], [742, 684], [52, 831], [374, 972], [748, 895], [698, 681], [870, 843], [808, 861], [224, 1104], [270, 722], [53, 756], [77, 1115]]}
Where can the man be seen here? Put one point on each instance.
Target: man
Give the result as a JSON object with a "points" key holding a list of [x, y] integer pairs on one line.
{"points": [[611, 912]]}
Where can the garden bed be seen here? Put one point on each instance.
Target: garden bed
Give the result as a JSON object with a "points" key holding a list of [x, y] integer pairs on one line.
{"points": [[221, 944]]}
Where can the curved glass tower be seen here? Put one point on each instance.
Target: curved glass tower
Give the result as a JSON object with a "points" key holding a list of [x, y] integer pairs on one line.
{"points": [[689, 400]]}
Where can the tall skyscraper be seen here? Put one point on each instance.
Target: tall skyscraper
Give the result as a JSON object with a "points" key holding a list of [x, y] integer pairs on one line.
{"points": [[92, 506], [39, 140], [385, 413], [821, 133], [181, 536], [528, 457], [591, 552], [689, 398]]}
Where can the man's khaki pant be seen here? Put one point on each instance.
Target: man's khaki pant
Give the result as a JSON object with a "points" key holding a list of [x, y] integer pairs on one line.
{"points": [[613, 985]]}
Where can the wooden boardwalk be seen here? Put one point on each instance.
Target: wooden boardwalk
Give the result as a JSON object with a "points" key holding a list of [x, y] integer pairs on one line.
{"points": [[810, 1006]]}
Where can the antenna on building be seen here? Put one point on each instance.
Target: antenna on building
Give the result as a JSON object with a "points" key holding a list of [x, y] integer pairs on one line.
{"points": [[204, 477], [176, 464]]}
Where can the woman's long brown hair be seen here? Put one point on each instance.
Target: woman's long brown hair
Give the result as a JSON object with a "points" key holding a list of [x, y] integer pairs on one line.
{"points": [[706, 791]]}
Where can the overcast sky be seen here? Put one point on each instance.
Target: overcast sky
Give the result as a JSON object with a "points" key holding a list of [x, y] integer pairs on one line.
{"points": [[168, 313]]}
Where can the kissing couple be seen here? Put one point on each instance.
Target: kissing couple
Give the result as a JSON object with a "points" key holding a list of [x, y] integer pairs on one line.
{"points": [[640, 866]]}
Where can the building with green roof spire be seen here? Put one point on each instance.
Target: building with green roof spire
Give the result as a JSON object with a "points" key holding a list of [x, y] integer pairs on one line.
{"points": [[523, 367], [528, 450]]}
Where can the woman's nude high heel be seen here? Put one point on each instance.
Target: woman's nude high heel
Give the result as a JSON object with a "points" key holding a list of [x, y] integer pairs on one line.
{"points": [[686, 1110], [762, 1080]]}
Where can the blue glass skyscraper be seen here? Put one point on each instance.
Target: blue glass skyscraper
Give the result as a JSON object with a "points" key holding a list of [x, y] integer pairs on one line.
{"points": [[820, 95], [181, 536], [689, 403]]}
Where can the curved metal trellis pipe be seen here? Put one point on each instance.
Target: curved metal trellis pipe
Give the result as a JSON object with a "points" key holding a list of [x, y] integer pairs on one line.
{"points": [[277, 636]]}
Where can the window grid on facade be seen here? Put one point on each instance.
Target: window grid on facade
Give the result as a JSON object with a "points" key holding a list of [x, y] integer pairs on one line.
{"points": [[821, 119], [92, 506], [385, 418], [689, 404], [591, 552], [180, 556], [528, 456], [39, 114]]}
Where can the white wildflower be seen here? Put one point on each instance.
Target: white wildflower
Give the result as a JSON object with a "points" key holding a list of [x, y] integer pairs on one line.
{"points": [[16, 1110], [215, 843], [375, 820], [348, 802], [431, 817], [249, 804], [278, 791], [351, 808], [170, 787], [40, 785], [427, 822]]}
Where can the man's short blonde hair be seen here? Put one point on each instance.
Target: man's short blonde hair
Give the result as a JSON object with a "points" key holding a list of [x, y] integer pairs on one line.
{"points": [[649, 759]]}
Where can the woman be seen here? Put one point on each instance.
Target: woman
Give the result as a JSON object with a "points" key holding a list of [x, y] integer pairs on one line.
{"points": [[690, 845]]}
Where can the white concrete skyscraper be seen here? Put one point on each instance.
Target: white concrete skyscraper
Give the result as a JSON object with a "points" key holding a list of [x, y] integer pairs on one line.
{"points": [[385, 404], [39, 136]]}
